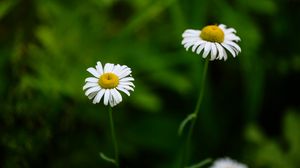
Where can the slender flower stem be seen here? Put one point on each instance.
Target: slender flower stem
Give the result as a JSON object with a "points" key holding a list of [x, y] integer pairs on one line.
{"points": [[186, 150], [113, 134]]}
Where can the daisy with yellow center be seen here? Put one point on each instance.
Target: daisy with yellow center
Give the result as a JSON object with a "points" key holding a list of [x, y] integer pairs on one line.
{"points": [[107, 82], [212, 39]]}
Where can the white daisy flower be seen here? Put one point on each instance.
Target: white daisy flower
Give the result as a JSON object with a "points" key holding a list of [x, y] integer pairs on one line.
{"points": [[227, 163], [212, 39], [107, 82]]}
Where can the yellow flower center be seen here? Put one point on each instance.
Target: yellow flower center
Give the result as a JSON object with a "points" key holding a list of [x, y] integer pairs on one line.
{"points": [[108, 81], [212, 33]]}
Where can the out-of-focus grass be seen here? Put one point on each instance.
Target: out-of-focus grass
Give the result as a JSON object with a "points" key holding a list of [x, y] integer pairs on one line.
{"points": [[46, 47]]}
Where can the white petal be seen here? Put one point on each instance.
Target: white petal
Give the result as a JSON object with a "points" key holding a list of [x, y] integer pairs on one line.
{"points": [[213, 51], [99, 96], [230, 30], [191, 33], [126, 87], [123, 67], [220, 50], [91, 79], [232, 37], [92, 95], [229, 48], [118, 68], [200, 48], [94, 72], [189, 44], [112, 103], [197, 43], [225, 54], [233, 44], [108, 67], [127, 83], [117, 96], [92, 89], [89, 84], [99, 68], [223, 31], [123, 90], [112, 68], [207, 49], [124, 73], [113, 98], [106, 97], [222, 26], [127, 79], [189, 40]]}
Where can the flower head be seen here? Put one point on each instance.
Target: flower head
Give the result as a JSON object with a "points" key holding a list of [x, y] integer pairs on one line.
{"points": [[107, 82], [227, 163], [212, 39]]}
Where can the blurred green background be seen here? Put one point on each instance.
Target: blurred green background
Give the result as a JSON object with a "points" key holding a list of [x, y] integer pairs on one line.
{"points": [[251, 104]]}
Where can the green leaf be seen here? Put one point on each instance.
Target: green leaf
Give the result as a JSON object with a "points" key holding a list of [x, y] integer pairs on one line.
{"points": [[200, 164], [185, 121], [254, 135], [268, 7], [146, 15], [291, 131], [108, 159], [6, 6]]}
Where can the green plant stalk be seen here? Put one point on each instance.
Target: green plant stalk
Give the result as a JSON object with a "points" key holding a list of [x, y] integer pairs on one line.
{"points": [[114, 139], [192, 125]]}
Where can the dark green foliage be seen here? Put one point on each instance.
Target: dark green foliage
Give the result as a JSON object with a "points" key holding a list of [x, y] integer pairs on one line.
{"points": [[46, 47]]}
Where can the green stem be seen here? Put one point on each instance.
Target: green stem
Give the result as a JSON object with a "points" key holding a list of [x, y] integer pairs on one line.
{"points": [[192, 125], [113, 134]]}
